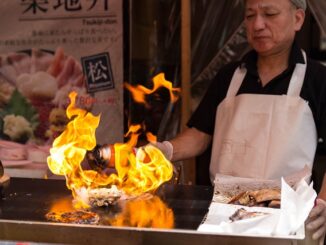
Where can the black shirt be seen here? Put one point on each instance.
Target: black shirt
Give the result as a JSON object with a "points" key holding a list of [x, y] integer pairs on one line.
{"points": [[313, 90]]}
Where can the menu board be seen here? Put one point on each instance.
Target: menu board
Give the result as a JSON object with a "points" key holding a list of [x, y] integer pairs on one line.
{"points": [[49, 48]]}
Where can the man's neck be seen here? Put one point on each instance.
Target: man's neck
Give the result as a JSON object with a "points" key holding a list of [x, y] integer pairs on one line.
{"points": [[270, 66]]}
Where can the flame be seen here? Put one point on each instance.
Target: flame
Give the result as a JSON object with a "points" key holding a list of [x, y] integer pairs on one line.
{"points": [[151, 137], [141, 171], [147, 213], [70, 147], [139, 92], [137, 172], [62, 205]]}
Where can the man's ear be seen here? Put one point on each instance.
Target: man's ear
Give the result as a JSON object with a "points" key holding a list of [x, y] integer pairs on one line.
{"points": [[299, 19]]}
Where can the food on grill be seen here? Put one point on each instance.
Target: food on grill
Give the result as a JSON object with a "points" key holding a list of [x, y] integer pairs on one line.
{"points": [[261, 198], [104, 196], [74, 217], [242, 213]]}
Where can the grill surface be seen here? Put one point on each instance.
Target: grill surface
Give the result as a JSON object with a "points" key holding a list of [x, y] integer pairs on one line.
{"points": [[27, 201], [31, 199]]}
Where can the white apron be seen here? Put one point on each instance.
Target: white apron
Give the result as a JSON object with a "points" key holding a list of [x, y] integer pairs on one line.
{"points": [[263, 136]]}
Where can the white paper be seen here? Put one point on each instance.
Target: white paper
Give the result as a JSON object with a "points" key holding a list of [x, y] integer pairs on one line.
{"points": [[295, 207], [285, 222], [218, 220]]}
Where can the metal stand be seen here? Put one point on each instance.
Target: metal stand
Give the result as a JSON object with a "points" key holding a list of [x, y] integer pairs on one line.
{"points": [[4, 179], [4, 182]]}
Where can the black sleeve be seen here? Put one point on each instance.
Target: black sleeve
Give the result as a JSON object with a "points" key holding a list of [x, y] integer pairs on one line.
{"points": [[321, 127], [203, 118], [318, 103], [315, 87]]}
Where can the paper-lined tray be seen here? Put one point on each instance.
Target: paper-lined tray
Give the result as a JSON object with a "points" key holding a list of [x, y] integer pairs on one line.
{"points": [[218, 221], [286, 222]]}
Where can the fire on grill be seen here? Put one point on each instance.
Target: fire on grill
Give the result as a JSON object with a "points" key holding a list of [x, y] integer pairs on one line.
{"points": [[146, 210], [132, 177]]}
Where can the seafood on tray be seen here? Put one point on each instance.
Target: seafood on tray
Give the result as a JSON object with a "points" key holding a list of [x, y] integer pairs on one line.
{"points": [[261, 198], [242, 214]]}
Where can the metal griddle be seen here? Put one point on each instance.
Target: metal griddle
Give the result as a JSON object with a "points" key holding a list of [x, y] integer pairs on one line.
{"points": [[31, 199], [26, 201]]}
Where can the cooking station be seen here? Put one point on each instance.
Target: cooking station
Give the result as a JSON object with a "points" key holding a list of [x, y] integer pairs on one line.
{"points": [[25, 203]]}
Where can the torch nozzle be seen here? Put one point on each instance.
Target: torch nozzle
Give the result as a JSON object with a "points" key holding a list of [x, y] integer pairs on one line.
{"points": [[95, 159]]}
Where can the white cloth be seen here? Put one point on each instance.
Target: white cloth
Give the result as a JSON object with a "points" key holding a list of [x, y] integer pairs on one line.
{"points": [[263, 136]]}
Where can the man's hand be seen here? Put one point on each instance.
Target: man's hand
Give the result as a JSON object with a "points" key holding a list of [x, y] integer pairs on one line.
{"points": [[317, 221], [166, 148]]}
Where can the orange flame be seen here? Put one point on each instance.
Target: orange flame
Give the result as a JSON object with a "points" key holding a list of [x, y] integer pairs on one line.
{"points": [[151, 137], [139, 92], [70, 147], [147, 213], [134, 174], [142, 171]]}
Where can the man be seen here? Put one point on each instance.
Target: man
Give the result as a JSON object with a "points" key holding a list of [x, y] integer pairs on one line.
{"points": [[265, 113]]}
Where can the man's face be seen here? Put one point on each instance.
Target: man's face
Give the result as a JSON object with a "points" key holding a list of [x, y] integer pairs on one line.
{"points": [[271, 24]]}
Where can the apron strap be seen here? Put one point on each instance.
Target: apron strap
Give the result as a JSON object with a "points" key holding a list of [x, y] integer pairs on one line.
{"points": [[295, 85], [297, 79], [236, 81]]}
